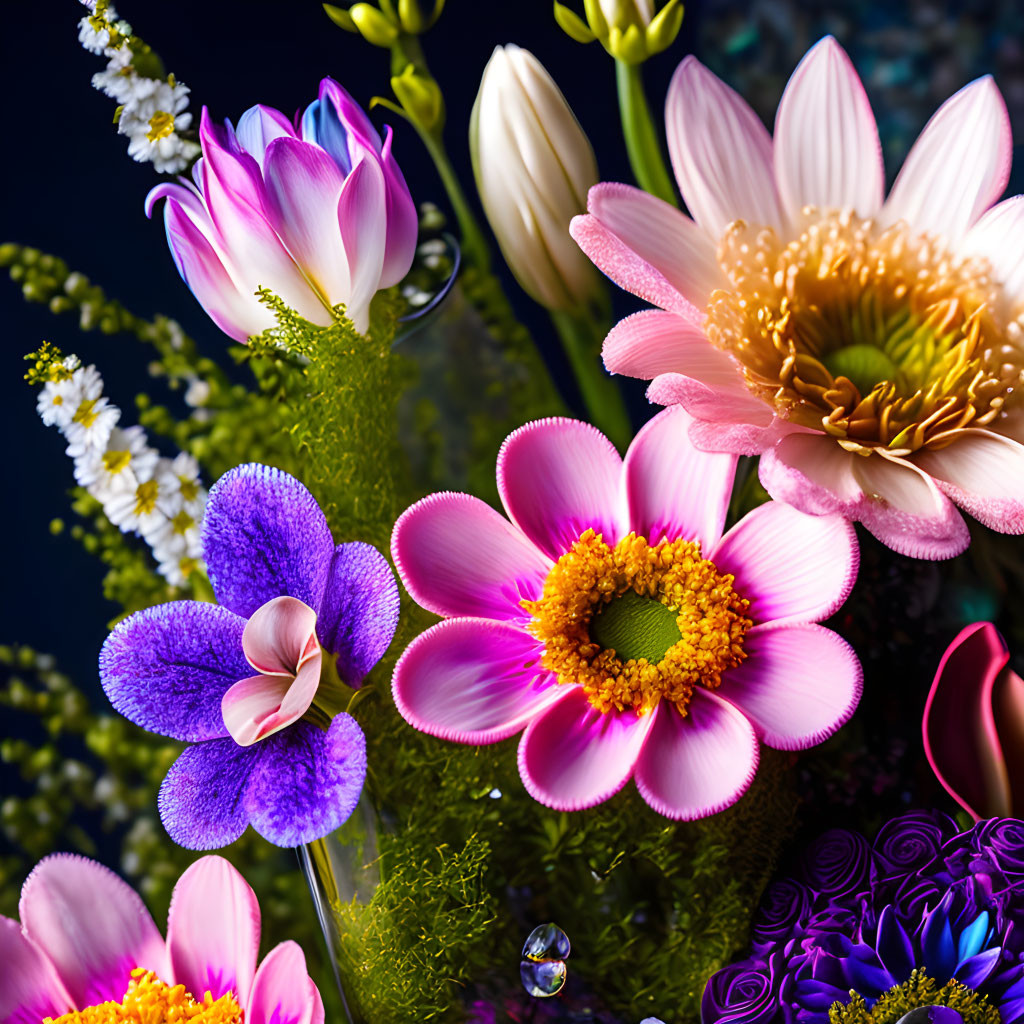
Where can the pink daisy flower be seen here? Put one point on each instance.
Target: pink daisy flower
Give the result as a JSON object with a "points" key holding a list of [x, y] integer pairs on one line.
{"points": [[869, 349], [613, 622], [88, 950]]}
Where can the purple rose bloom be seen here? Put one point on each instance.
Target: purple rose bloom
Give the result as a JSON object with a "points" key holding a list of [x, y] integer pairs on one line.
{"points": [[743, 993], [239, 680], [836, 863], [784, 909], [909, 842]]}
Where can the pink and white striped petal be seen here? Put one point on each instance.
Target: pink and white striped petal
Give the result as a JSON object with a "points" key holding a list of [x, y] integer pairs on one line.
{"points": [[282, 991], [792, 567], [798, 684], [280, 636], [361, 210], [728, 402], [959, 165], [573, 756], [827, 150], [258, 706], [721, 152], [696, 766], [31, 989], [402, 221], [457, 556], [213, 930], [558, 478], [661, 236], [999, 238], [258, 127], [92, 926], [984, 474], [473, 681], [673, 490]]}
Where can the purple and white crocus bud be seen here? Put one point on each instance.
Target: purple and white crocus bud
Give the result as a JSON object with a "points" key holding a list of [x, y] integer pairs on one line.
{"points": [[316, 211]]}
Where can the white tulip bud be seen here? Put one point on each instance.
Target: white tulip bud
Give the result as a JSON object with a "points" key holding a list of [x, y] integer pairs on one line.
{"points": [[619, 13], [533, 166]]}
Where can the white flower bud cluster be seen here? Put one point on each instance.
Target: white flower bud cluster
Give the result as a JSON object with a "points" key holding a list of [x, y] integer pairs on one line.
{"points": [[156, 498]]}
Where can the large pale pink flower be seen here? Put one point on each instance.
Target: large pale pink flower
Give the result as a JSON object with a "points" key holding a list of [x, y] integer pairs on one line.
{"points": [[868, 348], [614, 622], [86, 939]]}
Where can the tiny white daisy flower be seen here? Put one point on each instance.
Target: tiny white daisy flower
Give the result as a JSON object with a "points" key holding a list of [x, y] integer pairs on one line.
{"points": [[143, 510], [91, 425], [126, 455]]}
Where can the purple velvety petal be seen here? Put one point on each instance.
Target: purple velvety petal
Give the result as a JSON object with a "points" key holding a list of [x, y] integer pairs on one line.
{"points": [[166, 668], [307, 781], [201, 800], [360, 609], [940, 950], [264, 536], [974, 971], [743, 993], [894, 947]]}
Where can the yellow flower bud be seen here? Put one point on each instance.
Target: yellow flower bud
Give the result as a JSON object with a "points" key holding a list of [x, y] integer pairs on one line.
{"points": [[373, 26], [630, 30], [420, 98]]}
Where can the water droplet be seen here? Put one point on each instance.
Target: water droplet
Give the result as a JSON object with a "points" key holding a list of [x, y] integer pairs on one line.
{"points": [[546, 942], [495, 794], [543, 978]]}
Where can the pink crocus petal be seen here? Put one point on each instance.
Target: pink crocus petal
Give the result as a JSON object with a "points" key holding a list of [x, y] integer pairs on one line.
{"points": [[827, 150], [279, 636], [661, 236], [259, 706], [258, 127], [352, 115], [959, 165], [317, 1017], [628, 270], [727, 403], [282, 992], [457, 556], [472, 681], [740, 438], [721, 152], [360, 213], [798, 684], [31, 989], [984, 474], [695, 766], [213, 930], [655, 341], [573, 756], [302, 185], [961, 739], [999, 238], [402, 220], [792, 567], [559, 477], [91, 925], [673, 490]]}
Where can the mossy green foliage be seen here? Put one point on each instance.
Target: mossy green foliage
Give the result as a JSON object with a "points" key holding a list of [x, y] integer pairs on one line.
{"points": [[919, 990]]}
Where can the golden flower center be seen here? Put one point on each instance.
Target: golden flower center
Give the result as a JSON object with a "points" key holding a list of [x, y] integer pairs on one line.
{"points": [[151, 1001], [637, 623], [878, 336]]}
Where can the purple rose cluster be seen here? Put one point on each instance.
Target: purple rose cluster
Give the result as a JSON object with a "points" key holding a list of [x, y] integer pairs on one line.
{"points": [[861, 917]]}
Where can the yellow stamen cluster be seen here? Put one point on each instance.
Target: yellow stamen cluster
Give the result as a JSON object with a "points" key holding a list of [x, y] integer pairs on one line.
{"points": [[161, 125], [115, 460], [881, 337], [150, 1001], [145, 497], [710, 615], [86, 413]]}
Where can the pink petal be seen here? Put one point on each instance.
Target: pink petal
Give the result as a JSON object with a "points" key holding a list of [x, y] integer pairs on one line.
{"points": [[984, 474], [362, 219], [258, 706], [402, 220], [282, 992], [827, 151], [472, 681], [572, 756], [696, 766], [740, 438], [258, 127], [728, 402], [628, 270], [721, 153], [961, 740], [999, 238], [959, 165], [798, 685], [213, 930], [792, 567], [558, 478], [279, 636], [91, 925], [812, 473], [31, 989], [303, 184], [457, 556], [674, 491], [655, 341], [661, 236]]}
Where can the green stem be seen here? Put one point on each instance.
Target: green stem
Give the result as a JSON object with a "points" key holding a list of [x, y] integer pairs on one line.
{"points": [[642, 142], [581, 341]]}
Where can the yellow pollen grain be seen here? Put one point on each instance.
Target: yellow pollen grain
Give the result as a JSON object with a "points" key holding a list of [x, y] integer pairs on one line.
{"points": [[151, 1001], [710, 615], [161, 125]]}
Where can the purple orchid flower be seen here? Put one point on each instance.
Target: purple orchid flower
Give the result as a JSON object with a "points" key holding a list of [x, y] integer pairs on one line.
{"points": [[236, 679], [318, 212]]}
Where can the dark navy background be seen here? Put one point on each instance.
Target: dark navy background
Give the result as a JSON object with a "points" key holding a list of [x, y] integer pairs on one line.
{"points": [[70, 188]]}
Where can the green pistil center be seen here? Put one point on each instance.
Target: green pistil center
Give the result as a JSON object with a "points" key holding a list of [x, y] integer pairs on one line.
{"points": [[635, 627], [919, 990], [865, 365]]}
